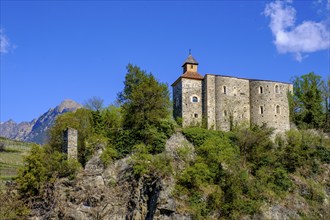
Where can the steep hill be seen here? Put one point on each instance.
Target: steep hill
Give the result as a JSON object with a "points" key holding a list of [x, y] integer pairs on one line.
{"points": [[36, 130]]}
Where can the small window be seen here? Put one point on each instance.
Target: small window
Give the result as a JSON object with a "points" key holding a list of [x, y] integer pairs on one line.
{"points": [[224, 90], [194, 99], [261, 90], [261, 109], [224, 113], [278, 109], [191, 66], [277, 89], [196, 115]]}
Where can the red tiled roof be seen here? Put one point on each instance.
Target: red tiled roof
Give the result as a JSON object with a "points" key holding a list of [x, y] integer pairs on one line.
{"points": [[192, 75], [189, 75]]}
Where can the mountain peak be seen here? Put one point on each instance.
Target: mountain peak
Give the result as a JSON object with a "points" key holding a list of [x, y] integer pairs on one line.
{"points": [[68, 104]]}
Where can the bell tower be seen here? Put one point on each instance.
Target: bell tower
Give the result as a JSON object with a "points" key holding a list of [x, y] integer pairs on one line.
{"points": [[187, 94], [190, 64]]}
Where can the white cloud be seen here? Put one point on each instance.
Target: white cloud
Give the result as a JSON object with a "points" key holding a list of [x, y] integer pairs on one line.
{"points": [[307, 37], [4, 43]]}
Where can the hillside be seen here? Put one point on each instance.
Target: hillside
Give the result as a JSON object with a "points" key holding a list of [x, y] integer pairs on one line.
{"points": [[207, 177], [11, 158], [36, 130]]}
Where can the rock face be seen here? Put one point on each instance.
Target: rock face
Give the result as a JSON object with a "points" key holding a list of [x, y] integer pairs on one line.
{"points": [[112, 192], [36, 130]]}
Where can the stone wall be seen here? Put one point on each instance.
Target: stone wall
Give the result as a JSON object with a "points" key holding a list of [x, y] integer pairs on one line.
{"points": [[70, 143], [209, 101], [225, 101], [191, 111], [232, 102], [269, 104], [177, 99]]}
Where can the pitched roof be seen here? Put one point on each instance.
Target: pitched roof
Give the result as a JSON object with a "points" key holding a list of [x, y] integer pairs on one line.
{"points": [[190, 60], [192, 75], [189, 75]]}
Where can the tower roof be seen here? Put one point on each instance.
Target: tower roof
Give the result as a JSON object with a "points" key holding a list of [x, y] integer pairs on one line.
{"points": [[190, 60]]}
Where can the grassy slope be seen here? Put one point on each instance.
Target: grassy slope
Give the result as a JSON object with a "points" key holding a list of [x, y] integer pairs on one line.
{"points": [[11, 159]]}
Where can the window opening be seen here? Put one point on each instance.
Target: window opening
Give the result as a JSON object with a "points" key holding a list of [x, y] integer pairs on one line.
{"points": [[191, 66], [225, 113], [194, 99], [261, 109], [196, 115], [278, 110], [224, 90], [277, 90], [261, 90]]}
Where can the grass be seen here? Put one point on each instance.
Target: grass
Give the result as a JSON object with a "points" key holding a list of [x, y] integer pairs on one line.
{"points": [[11, 159]]}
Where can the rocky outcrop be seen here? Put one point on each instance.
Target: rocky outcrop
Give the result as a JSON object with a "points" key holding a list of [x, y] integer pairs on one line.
{"points": [[36, 130], [112, 192]]}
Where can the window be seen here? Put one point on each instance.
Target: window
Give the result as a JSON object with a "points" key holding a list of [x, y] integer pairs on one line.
{"points": [[261, 109], [224, 113], [224, 90], [277, 89], [196, 115], [261, 90], [191, 66], [278, 109], [194, 99]]}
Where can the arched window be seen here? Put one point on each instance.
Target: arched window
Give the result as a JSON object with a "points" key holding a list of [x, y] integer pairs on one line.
{"points": [[196, 115], [277, 89], [261, 90], [191, 66], [224, 90], [278, 109], [261, 109], [225, 113], [194, 99]]}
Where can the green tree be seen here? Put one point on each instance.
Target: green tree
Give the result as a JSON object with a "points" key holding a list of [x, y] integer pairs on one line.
{"points": [[83, 121], [326, 97], [307, 98], [145, 100], [145, 106]]}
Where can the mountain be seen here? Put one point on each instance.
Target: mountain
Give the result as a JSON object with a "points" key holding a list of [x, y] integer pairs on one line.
{"points": [[36, 130]]}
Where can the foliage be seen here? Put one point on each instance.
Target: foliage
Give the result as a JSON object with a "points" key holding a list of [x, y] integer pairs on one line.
{"points": [[146, 108], [145, 163], [42, 168], [307, 101], [94, 104], [234, 173], [108, 155], [11, 207]]}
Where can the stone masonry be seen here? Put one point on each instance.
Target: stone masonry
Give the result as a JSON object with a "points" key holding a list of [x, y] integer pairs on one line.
{"points": [[70, 143], [224, 101]]}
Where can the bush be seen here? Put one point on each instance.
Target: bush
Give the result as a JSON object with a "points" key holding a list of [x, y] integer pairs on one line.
{"points": [[41, 170]]}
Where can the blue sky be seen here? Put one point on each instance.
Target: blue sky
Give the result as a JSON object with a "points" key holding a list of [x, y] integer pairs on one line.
{"points": [[55, 50]]}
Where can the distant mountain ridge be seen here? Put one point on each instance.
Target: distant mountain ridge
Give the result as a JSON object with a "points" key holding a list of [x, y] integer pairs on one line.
{"points": [[36, 130]]}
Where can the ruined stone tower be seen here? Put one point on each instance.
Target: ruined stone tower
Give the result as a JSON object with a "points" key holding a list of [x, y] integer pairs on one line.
{"points": [[224, 101], [70, 143]]}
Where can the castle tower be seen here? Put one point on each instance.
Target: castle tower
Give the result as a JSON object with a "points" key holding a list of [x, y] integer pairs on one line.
{"points": [[70, 143], [187, 94]]}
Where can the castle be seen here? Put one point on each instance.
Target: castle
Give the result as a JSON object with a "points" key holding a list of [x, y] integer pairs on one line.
{"points": [[224, 101]]}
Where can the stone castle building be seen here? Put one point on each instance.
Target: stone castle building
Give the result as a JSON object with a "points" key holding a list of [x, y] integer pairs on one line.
{"points": [[223, 101]]}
